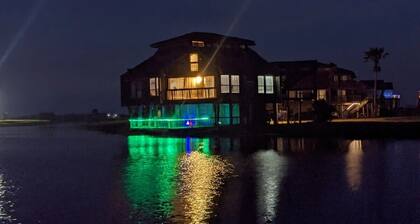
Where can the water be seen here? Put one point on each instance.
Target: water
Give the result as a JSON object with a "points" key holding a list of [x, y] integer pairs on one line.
{"points": [[67, 175]]}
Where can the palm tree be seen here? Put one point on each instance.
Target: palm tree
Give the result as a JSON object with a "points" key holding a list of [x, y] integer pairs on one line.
{"points": [[375, 55]]}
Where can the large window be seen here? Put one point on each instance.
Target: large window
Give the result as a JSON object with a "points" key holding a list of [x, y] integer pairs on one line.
{"points": [[154, 84], [194, 62], [261, 88], [229, 114], [198, 87], [234, 81], [224, 84], [229, 84], [265, 84]]}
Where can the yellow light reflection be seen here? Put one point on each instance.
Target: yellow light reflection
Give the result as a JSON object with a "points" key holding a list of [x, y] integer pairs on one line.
{"points": [[201, 177], [271, 169], [354, 165]]}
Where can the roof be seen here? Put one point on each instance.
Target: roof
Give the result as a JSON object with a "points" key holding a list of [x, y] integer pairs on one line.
{"points": [[381, 84], [202, 36], [301, 64]]}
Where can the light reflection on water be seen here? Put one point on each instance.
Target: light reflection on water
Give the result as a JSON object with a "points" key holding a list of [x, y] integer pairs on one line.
{"points": [[6, 205], [271, 168], [172, 178], [201, 177], [184, 180], [354, 164]]}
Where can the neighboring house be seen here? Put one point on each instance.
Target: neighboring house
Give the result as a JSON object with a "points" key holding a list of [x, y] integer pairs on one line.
{"points": [[210, 80], [307, 81], [388, 100]]}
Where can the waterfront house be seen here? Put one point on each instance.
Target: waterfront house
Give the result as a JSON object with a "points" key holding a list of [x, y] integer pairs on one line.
{"points": [[199, 80], [211, 80]]}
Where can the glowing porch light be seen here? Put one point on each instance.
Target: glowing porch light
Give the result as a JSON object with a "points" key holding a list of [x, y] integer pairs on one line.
{"points": [[198, 80]]}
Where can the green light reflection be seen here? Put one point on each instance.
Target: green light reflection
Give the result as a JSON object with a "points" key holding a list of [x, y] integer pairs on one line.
{"points": [[152, 170]]}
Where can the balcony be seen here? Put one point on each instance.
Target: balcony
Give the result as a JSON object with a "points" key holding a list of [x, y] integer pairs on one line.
{"points": [[191, 94]]}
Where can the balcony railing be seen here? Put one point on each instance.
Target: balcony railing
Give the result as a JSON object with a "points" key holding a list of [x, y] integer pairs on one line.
{"points": [[191, 94]]}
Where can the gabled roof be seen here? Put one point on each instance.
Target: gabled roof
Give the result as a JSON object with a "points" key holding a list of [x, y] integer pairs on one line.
{"points": [[202, 36]]}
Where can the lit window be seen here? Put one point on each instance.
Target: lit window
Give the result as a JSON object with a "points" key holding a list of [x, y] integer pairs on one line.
{"points": [[193, 57], [208, 82], [194, 62], [194, 67], [265, 84], [292, 94], [299, 94], [224, 84], [321, 94], [335, 78], [341, 92], [344, 78], [269, 84], [154, 86], [184, 88], [235, 83], [197, 43], [261, 84]]}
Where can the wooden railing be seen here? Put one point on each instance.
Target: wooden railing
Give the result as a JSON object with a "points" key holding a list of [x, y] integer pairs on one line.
{"points": [[191, 94]]}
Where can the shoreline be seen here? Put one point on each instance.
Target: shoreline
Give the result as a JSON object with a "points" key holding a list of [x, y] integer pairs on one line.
{"points": [[369, 128], [22, 122]]}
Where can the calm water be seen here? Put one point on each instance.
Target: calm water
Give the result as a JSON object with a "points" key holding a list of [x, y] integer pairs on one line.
{"points": [[67, 175]]}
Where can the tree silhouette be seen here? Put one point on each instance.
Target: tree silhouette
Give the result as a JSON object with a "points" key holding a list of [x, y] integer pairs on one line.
{"points": [[375, 55], [322, 111]]}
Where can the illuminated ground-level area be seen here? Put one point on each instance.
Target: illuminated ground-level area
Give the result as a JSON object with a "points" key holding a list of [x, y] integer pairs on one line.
{"points": [[179, 116]]}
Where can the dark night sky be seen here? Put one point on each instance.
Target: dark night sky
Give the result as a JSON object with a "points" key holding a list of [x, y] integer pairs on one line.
{"points": [[71, 55]]}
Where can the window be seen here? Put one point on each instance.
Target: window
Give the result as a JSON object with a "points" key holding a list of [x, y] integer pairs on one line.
{"points": [[261, 88], [154, 86], [265, 84], [235, 114], [197, 43], [229, 84], [191, 88], [229, 114], [335, 78], [344, 78], [224, 84], [269, 85], [321, 94], [136, 91], [224, 114], [292, 94], [341, 92], [235, 83], [194, 62], [299, 94]]}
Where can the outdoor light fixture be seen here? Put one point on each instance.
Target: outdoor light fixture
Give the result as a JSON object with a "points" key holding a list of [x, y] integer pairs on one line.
{"points": [[198, 79]]}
